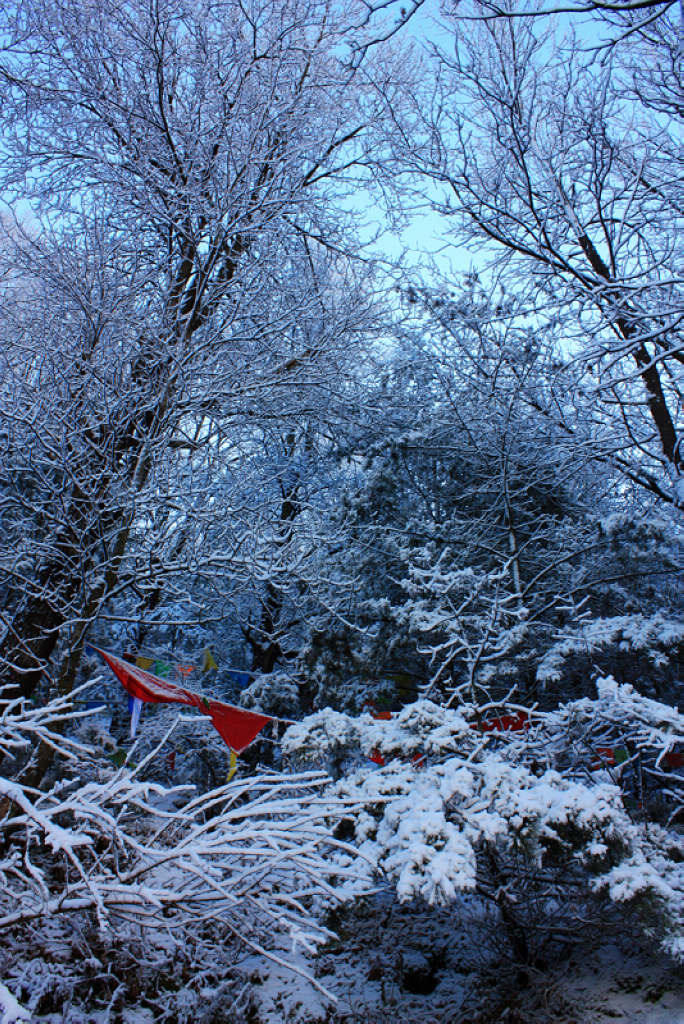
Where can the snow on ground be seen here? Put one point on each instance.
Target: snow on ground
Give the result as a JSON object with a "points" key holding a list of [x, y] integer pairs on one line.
{"points": [[615, 989], [405, 965], [395, 965], [10, 1010]]}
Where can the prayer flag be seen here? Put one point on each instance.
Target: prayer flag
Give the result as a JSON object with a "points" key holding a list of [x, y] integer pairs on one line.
{"points": [[144, 662], [505, 723], [241, 679], [161, 669], [135, 715], [605, 758], [376, 713], [208, 663], [232, 766]]}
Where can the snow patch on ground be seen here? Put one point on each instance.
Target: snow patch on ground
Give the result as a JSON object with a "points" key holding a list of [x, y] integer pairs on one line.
{"points": [[619, 990], [403, 965], [10, 1010]]}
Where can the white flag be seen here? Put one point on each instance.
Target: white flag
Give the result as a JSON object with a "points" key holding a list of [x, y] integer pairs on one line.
{"points": [[135, 715]]}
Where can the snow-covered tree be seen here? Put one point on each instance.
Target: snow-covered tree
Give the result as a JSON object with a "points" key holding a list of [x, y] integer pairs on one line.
{"points": [[560, 164], [180, 164], [482, 525]]}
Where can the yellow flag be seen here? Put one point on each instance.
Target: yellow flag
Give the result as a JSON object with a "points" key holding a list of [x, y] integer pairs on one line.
{"points": [[209, 661], [145, 663], [232, 765]]}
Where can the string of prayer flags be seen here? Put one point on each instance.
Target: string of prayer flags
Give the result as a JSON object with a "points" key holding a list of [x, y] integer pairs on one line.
{"points": [[163, 669], [208, 661], [236, 726]]}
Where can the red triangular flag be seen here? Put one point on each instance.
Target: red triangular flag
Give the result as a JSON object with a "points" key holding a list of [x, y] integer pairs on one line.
{"points": [[235, 726]]}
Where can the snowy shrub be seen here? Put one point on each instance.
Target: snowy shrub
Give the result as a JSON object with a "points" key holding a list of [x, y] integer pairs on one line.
{"points": [[239, 864], [326, 738], [515, 817], [275, 693], [631, 736], [334, 740]]}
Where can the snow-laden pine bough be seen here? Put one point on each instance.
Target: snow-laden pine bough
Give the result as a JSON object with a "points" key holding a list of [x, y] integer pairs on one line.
{"points": [[247, 860]]}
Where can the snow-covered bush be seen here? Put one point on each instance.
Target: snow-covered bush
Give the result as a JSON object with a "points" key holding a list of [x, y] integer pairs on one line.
{"points": [[634, 737], [334, 740], [239, 864], [274, 693], [518, 817]]}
